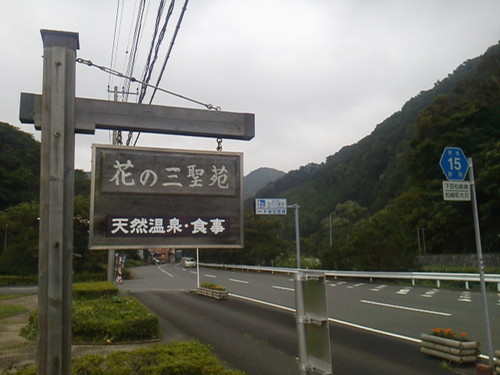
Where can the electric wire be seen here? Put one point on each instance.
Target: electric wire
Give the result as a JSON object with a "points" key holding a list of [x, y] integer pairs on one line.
{"points": [[181, 16], [133, 79], [116, 40], [172, 42], [148, 69]]}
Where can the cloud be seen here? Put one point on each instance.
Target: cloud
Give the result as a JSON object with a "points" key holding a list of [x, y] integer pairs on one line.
{"points": [[317, 74]]}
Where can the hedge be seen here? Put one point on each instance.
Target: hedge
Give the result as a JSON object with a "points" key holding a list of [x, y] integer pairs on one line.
{"points": [[182, 358], [107, 319]]}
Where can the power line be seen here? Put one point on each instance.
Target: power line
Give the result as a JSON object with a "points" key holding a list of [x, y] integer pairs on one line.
{"points": [[148, 69], [133, 79], [181, 16]]}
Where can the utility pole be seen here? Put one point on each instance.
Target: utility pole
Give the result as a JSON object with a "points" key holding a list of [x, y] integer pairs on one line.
{"points": [[115, 141], [331, 240], [55, 265], [59, 115], [479, 251], [5, 238]]}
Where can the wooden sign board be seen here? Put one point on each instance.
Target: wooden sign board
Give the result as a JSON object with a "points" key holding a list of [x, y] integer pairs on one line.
{"points": [[147, 198]]}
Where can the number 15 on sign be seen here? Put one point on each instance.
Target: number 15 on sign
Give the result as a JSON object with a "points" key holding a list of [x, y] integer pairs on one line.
{"points": [[454, 164]]}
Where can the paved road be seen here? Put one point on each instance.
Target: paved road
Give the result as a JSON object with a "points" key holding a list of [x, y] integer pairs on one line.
{"points": [[261, 339], [395, 310]]}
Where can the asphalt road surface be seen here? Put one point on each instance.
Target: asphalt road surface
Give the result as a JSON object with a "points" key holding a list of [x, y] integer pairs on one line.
{"points": [[254, 330]]}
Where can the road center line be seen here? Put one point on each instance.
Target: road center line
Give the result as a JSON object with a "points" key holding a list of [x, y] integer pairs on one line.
{"points": [[405, 308], [239, 281], [283, 288]]}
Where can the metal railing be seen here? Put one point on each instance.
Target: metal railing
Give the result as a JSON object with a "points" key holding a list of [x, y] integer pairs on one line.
{"points": [[466, 278]]}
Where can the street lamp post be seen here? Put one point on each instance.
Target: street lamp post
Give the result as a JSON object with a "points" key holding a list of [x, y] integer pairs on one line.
{"points": [[330, 229]]}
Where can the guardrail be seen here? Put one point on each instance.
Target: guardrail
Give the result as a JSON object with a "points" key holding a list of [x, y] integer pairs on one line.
{"points": [[373, 275]]}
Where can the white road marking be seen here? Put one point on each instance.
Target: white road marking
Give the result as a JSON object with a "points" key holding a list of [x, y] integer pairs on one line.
{"points": [[355, 285], [378, 288], [403, 291], [331, 319], [239, 281], [465, 297], [165, 272], [406, 308], [212, 276], [283, 288], [429, 293]]}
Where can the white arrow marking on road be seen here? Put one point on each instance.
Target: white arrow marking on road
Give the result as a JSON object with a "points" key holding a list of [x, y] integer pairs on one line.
{"points": [[283, 288], [405, 308], [239, 281]]}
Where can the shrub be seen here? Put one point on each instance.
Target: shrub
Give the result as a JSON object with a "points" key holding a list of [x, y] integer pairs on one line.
{"points": [[94, 289], [186, 358], [108, 319], [212, 286], [7, 280]]}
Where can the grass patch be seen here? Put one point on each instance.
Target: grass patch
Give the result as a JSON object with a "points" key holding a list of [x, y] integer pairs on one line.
{"points": [[7, 280], [94, 290], [186, 358], [101, 316], [11, 296], [106, 320], [11, 310]]}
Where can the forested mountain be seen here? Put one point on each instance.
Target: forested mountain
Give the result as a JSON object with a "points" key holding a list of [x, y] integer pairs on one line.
{"points": [[256, 180], [19, 208], [371, 196], [382, 188], [19, 166]]}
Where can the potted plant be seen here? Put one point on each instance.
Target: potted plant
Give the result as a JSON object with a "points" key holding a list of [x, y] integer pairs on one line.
{"points": [[446, 344], [212, 290]]}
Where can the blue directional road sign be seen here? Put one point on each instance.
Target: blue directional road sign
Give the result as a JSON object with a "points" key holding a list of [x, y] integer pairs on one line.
{"points": [[454, 164]]}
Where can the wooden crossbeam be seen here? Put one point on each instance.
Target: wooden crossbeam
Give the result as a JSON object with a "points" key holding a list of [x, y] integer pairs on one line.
{"points": [[91, 114]]}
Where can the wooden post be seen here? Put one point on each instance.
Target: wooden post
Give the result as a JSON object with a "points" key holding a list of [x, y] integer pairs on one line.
{"points": [[56, 202]]}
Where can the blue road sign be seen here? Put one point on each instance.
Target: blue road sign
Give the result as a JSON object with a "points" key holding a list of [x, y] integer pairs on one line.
{"points": [[454, 164]]}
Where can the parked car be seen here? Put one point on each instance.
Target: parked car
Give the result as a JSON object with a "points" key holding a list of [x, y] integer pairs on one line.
{"points": [[188, 262]]}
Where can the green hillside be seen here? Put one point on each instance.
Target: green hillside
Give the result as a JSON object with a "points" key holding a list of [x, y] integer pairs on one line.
{"points": [[392, 182], [19, 166], [371, 196]]}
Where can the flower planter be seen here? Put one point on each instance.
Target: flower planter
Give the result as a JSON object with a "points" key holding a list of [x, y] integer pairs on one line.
{"points": [[212, 293], [449, 349]]}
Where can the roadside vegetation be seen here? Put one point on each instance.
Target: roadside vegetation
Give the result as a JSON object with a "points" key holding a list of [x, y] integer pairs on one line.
{"points": [[11, 310], [101, 316], [187, 358]]}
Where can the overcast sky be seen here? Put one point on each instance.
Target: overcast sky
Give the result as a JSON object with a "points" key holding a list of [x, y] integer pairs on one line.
{"points": [[317, 74]]}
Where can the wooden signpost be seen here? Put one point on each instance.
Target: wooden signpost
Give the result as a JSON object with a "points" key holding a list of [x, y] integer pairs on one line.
{"points": [[59, 115]]}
